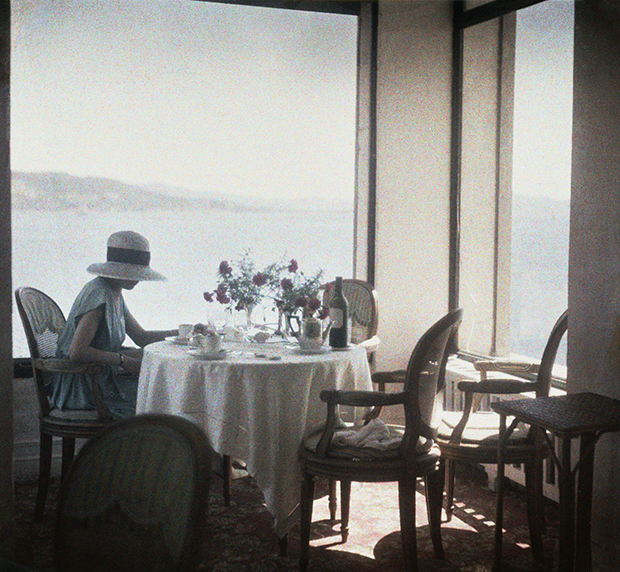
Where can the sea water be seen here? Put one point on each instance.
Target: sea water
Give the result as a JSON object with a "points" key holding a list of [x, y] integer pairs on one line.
{"points": [[52, 249]]}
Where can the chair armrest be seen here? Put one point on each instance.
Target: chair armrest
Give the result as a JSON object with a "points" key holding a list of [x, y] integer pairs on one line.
{"points": [[383, 377], [497, 386], [92, 370], [507, 366], [361, 398], [59, 365]]}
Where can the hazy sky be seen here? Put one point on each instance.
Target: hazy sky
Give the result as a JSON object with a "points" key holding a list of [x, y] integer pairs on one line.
{"points": [[207, 96], [237, 99], [543, 99]]}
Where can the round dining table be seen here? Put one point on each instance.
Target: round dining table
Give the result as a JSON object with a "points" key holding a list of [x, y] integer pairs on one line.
{"points": [[255, 403]]}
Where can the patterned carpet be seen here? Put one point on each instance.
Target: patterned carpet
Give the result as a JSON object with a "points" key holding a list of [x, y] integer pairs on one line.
{"points": [[241, 538]]}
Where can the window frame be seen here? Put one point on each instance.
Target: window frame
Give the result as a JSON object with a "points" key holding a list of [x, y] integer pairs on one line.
{"points": [[463, 19]]}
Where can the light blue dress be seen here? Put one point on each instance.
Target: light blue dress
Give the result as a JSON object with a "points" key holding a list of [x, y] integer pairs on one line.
{"points": [[72, 391]]}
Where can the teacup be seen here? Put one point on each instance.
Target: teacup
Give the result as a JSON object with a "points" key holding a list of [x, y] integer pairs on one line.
{"points": [[210, 343], [185, 331]]}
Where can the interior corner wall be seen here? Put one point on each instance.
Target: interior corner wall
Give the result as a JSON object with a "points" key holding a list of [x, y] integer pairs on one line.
{"points": [[6, 361], [413, 177], [594, 264]]}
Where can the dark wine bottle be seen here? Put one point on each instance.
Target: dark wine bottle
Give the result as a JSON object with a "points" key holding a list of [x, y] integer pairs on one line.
{"points": [[339, 317]]}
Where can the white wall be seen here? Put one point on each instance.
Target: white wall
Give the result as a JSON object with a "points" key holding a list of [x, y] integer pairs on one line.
{"points": [[594, 267], [413, 150]]}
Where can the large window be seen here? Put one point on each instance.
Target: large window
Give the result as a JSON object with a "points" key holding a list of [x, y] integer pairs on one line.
{"points": [[515, 178], [209, 128], [541, 174]]}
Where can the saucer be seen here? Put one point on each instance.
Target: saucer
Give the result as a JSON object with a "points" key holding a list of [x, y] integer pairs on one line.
{"points": [[179, 341], [207, 355], [312, 351]]}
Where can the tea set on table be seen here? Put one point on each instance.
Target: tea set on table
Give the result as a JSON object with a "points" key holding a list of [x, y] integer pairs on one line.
{"points": [[205, 341]]}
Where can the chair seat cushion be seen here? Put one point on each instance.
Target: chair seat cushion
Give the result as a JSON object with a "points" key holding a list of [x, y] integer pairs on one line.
{"points": [[482, 429], [375, 441]]}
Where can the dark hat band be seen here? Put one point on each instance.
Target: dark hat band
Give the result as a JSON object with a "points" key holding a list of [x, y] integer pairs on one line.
{"points": [[129, 256]]}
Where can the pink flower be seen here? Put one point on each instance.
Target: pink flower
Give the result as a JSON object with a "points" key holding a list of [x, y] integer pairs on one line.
{"points": [[301, 302], [314, 304], [222, 297], [225, 268], [286, 284], [208, 296], [259, 279], [293, 266]]}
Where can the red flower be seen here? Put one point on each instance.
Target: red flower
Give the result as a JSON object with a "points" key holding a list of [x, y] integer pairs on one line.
{"points": [[314, 304], [208, 296], [293, 266], [222, 297], [221, 288], [286, 284], [225, 268], [301, 302], [259, 279]]}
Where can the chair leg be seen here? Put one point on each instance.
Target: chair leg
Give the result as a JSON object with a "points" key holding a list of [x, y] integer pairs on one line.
{"points": [[450, 475], [434, 501], [534, 494], [406, 505], [68, 452], [45, 468], [345, 505], [333, 502], [227, 475], [305, 512]]}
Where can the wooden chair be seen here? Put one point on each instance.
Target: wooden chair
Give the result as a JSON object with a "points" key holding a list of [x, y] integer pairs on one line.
{"points": [[43, 320], [135, 499], [413, 454], [472, 436]]}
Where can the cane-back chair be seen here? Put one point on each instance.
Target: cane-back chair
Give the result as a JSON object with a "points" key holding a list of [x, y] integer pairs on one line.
{"points": [[412, 451], [43, 320], [472, 436], [135, 499]]}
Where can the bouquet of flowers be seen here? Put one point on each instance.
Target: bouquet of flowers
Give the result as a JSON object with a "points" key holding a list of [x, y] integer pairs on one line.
{"points": [[295, 292], [240, 285]]}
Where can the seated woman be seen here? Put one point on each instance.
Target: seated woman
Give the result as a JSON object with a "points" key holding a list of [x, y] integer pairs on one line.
{"points": [[97, 325]]}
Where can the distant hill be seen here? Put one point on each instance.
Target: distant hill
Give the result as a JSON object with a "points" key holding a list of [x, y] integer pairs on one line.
{"points": [[61, 191]]}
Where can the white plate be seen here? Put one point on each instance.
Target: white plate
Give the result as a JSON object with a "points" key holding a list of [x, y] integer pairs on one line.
{"points": [[208, 356], [178, 341]]}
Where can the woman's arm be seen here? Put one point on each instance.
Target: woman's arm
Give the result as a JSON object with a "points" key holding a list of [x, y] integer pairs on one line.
{"points": [[81, 350], [142, 337]]}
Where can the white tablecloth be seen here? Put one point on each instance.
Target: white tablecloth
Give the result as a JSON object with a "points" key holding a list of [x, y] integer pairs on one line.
{"points": [[252, 408]]}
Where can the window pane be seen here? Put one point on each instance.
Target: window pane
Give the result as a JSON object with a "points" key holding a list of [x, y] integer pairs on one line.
{"points": [[209, 128], [541, 173]]}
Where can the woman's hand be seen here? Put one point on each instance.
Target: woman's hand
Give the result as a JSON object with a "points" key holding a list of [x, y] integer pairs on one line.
{"points": [[131, 363]]}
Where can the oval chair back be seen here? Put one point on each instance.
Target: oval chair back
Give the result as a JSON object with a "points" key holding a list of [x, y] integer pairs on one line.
{"points": [[424, 381], [135, 498]]}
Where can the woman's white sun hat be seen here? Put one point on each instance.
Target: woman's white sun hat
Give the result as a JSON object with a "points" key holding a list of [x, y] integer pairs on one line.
{"points": [[128, 258]]}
